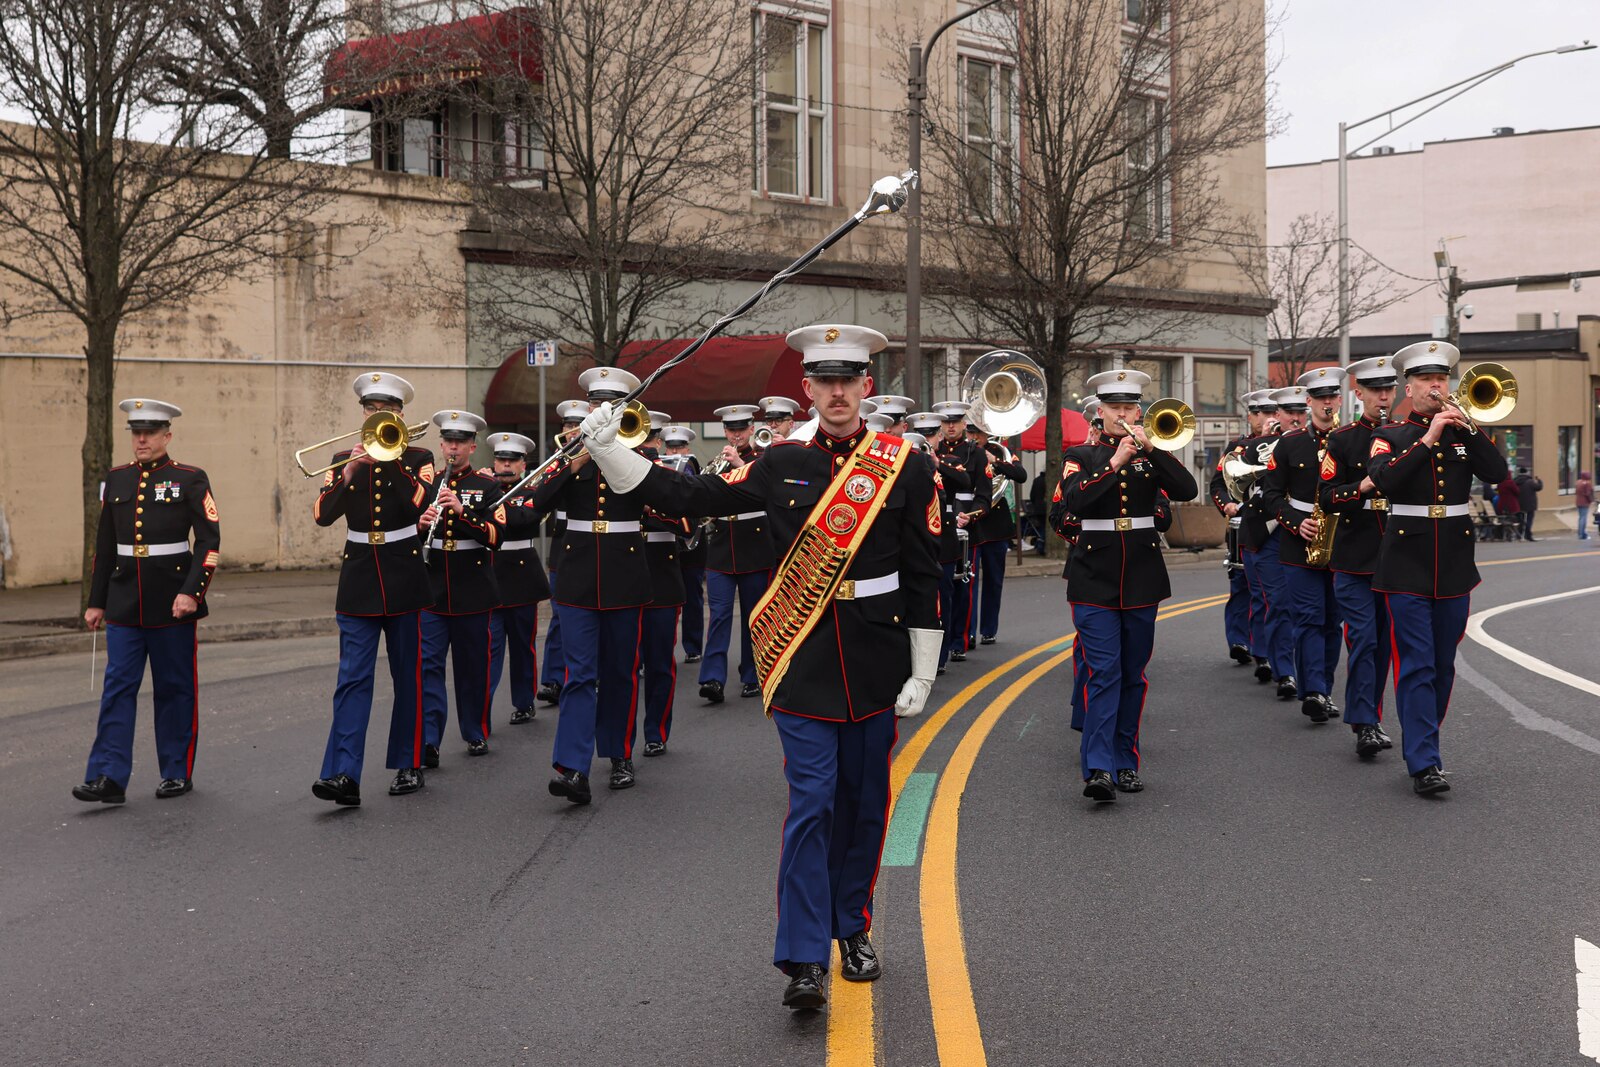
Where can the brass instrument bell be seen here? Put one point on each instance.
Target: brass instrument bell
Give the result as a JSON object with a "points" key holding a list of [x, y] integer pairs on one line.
{"points": [[384, 437], [1004, 391]]}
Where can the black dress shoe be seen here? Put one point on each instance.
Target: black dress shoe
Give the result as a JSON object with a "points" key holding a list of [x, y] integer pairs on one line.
{"points": [[622, 774], [1100, 788], [939, 672], [100, 791], [711, 691], [692, 659], [1367, 742], [1239, 653], [805, 987], [341, 789], [1383, 736], [1129, 781], [1331, 708], [550, 693], [430, 756], [749, 689], [523, 716], [1314, 708], [957, 656], [655, 748], [173, 787], [572, 785], [406, 780], [986, 640], [1430, 781], [478, 748], [1263, 672], [858, 961], [1286, 687]]}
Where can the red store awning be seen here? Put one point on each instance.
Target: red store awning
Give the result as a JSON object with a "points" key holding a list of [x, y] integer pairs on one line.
{"points": [[726, 370], [1074, 431], [502, 44]]}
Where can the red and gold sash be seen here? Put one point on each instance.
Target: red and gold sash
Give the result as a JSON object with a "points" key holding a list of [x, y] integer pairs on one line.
{"points": [[805, 582]]}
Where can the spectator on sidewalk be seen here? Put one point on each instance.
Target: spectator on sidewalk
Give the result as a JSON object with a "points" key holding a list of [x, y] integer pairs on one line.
{"points": [[1584, 498], [1508, 503], [1528, 487]]}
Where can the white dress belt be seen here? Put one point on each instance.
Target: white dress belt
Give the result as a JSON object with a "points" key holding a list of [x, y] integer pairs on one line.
{"points": [[171, 548], [603, 526], [857, 589], [1375, 503], [1428, 511], [743, 515], [1235, 521], [455, 546], [1302, 505], [659, 537], [561, 516], [516, 546], [363, 537], [966, 496], [1132, 522]]}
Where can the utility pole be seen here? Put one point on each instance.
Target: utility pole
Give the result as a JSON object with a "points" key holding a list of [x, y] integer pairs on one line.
{"points": [[1452, 295]]}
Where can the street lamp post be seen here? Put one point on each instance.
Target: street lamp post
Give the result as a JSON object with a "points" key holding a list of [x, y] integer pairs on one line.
{"points": [[1345, 151], [916, 92]]}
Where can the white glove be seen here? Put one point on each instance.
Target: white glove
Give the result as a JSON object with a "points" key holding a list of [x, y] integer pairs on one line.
{"points": [[924, 666], [623, 467]]}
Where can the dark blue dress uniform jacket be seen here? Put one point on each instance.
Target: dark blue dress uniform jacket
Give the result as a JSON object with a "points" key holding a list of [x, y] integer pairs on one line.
{"points": [[463, 581], [597, 570], [1111, 568], [666, 567], [952, 479], [1429, 557], [740, 546], [1255, 523], [154, 503], [1293, 471], [380, 577], [972, 460], [1355, 545], [998, 523], [854, 662], [518, 571]]}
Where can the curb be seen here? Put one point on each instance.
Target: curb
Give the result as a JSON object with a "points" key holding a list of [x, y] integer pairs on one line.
{"points": [[51, 644]]}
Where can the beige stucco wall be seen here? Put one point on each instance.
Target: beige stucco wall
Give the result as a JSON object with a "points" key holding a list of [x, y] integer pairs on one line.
{"points": [[383, 288]]}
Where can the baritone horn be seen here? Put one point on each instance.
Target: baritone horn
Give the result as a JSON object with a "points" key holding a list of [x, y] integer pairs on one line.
{"points": [[384, 436], [1004, 391], [1487, 393], [1168, 424]]}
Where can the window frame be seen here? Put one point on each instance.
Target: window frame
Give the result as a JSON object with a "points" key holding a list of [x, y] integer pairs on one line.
{"points": [[806, 18], [1005, 171]]}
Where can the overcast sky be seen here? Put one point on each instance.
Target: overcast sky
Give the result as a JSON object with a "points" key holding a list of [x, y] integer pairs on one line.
{"points": [[1344, 60]]}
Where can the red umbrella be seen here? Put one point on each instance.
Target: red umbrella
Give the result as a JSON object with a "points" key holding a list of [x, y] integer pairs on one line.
{"points": [[1074, 431]]}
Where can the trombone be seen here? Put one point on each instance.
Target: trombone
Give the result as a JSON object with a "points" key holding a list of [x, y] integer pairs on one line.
{"points": [[1168, 424], [384, 437], [1487, 393]]}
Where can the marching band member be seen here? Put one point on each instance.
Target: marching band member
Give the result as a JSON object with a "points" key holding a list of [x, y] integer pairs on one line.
{"points": [[692, 554], [658, 628], [571, 413], [148, 586], [522, 580], [1116, 576], [1262, 536], [950, 479], [603, 585], [1236, 620], [739, 561], [1289, 491], [956, 452], [1361, 515], [1253, 530], [898, 408], [848, 637], [778, 412], [1426, 466], [992, 533], [465, 594], [383, 587]]}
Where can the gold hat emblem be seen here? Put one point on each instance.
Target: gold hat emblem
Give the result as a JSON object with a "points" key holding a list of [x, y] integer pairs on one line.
{"points": [[138, 403], [831, 336], [1121, 375], [377, 377], [1434, 347], [1322, 374], [1380, 362], [605, 372], [454, 415]]}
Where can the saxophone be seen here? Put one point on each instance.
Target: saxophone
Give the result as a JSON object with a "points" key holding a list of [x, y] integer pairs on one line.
{"points": [[1319, 550]]}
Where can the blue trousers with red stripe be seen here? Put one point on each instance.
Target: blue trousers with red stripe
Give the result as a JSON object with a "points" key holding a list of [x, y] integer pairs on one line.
{"points": [[601, 689], [658, 645], [1080, 677], [1116, 646], [555, 663], [514, 629], [1425, 632], [1315, 618], [988, 583], [1258, 604], [1366, 643], [694, 610], [467, 639], [352, 697], [958, 619], [720, 590], [1236, 613], [838, 774], [175, 676], [1276, 623]]}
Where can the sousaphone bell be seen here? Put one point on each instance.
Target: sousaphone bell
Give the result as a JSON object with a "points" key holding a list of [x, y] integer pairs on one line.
{"points": [[1005, 392]]}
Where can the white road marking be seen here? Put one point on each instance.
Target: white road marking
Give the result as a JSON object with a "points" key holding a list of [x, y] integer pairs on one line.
{"points": [[1524, 715], [1476, 631], [1587, 958]]}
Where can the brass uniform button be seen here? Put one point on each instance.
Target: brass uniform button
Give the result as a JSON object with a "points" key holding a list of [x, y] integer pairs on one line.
{"points": [[138, 511], [138, 522]]}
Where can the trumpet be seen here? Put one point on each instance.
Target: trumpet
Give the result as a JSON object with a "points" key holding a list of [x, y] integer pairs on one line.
{"points": [[1487, 393], [384, 437], [1169, 425], [761, 439]]}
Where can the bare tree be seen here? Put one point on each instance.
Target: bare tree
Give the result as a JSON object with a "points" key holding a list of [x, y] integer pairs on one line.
{"points": [[643, 126], [112, 205], [1086, 160]]}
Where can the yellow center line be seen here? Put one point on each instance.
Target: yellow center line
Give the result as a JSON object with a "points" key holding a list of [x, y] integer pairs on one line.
{"points": [[1539, 559], [852, 1034], [956, 1030]]}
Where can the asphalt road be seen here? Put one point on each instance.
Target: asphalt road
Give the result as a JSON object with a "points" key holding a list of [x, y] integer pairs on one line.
{"points": [[1269, 898]]}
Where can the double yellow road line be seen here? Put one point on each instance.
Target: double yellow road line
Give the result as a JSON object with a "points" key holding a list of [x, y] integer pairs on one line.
{"points": [[853, 1037]]}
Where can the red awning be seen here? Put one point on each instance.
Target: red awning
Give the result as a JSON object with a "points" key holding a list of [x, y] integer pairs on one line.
{"points": [[503, 44], [1074, 431], [726, 370]]}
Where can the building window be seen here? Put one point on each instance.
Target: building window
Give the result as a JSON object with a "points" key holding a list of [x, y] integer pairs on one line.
{"points": [[1162, 375], [1569, 439], [1216, 387], [791, 145], [989, 123], [1145, 126], [1516, 442], [1153, 12]]}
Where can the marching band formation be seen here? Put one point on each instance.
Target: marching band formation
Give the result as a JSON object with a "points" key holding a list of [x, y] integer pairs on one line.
{"points": [[866, 551]]}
